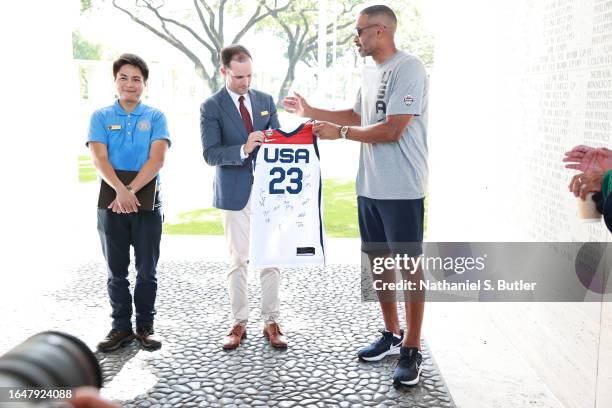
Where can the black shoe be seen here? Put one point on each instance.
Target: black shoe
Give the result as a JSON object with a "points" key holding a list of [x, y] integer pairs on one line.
{"points": [[115, 339], [387, 345], [148, 339], [408, 367]]}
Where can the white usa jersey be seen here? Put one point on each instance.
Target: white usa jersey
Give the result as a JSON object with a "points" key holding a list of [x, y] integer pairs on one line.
{"points": [[286, 218]]}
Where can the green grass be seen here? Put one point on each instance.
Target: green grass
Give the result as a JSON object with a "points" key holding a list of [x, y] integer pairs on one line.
{"points": [[340, 209], [205, 221], [339, 217], [87, 172]]}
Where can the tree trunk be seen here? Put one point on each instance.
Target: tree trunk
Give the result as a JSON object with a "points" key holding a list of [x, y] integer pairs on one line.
{"points": [[217, 80], [214, 82], [294, 55], [288, 81]]}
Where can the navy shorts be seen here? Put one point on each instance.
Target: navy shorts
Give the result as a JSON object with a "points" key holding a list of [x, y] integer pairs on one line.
{"points": [[391, 226]]}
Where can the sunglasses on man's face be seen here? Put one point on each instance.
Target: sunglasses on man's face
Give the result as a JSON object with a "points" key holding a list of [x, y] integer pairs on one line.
{"points": [[359, 30]]}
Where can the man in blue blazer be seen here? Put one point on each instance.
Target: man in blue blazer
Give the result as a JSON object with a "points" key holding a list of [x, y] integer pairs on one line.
{"points": [[231, 122]]}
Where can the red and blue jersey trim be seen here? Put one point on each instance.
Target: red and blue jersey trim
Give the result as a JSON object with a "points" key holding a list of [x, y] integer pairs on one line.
{"points": [[301, 135]]}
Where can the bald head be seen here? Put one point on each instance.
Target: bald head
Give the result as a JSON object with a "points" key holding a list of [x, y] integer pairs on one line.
{"points": [[381, 14]]}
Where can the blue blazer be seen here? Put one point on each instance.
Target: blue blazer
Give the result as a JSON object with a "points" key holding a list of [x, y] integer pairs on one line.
{"points": [[223, 133]]}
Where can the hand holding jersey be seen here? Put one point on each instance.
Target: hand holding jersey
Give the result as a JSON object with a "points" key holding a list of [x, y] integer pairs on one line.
{"points": [[326, 130], [253, 141]]}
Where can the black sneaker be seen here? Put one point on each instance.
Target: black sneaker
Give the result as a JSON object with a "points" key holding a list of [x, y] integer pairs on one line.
{"points": [[115, 339], [148, 339], [387, 345], [408, 367]]}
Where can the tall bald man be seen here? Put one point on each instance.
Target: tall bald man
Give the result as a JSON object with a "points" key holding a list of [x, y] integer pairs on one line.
{"points": [[232, 121], [389, 119]]}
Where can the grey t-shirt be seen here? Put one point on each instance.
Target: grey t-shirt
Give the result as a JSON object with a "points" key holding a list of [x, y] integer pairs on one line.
{"points": [[395, 170]]}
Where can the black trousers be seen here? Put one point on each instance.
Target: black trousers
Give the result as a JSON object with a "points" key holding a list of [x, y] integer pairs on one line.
{"points": [[118, 232]]}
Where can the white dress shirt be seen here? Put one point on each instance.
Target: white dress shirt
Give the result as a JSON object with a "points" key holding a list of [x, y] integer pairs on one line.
{"points": [[247, 103]]}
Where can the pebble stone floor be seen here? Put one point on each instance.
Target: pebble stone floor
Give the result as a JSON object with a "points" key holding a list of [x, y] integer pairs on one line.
{"points": [[323, 318]]}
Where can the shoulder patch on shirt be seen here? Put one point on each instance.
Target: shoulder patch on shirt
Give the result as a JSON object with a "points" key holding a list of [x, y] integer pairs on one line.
{"points": [[408, 100], [144, 125]]}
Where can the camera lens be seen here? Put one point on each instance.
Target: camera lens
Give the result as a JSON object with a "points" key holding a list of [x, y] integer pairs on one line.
{"points": [[50, 360]]}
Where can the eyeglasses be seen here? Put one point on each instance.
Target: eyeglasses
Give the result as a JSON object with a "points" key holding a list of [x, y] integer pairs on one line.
{"points": [[359, 30]]}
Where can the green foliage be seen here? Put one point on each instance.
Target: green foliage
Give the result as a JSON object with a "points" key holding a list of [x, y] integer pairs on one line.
{"points": [[85, 5], [87, 172], [411, 36], [302, 16], [298, 26], [83, 49], [235, 9]]}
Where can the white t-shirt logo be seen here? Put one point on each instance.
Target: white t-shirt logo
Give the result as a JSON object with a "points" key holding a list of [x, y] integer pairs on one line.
{"points": [[408, 100]]}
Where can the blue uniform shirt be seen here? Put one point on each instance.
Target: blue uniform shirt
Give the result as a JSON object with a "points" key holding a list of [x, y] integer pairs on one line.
{"points": [[128, 136]]}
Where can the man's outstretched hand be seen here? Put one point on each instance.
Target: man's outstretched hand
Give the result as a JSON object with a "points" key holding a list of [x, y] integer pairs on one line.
{"points": [[296, 104], [588, 159]]}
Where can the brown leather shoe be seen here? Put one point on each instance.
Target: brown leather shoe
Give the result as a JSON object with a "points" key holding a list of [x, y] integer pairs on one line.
{"points": [[232, 340], [148, 339], [273, 333], [115, 339]]}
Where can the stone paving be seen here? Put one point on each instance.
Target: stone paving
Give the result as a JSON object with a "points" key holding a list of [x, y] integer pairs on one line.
{"points": [[322, 316]]}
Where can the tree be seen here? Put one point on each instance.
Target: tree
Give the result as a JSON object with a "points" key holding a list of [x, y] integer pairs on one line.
{"points": [[83, 49], [203, 25], [297, 24], [411, 35]]}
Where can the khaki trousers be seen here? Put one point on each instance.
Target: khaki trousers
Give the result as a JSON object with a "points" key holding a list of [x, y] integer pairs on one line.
{"points": [[236, 225]]}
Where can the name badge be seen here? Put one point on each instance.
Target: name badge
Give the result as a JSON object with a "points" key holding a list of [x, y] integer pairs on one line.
{"points": [[114, 127], [265, 113]]}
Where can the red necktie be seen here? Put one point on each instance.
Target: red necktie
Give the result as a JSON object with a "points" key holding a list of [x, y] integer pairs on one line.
{"points": [[246, 118]]}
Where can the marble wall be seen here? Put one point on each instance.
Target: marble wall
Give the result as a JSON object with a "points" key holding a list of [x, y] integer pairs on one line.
{"points": [[515, 84]]}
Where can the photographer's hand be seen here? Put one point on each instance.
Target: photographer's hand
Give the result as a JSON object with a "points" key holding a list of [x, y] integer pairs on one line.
{"points": [[88, 397]]}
